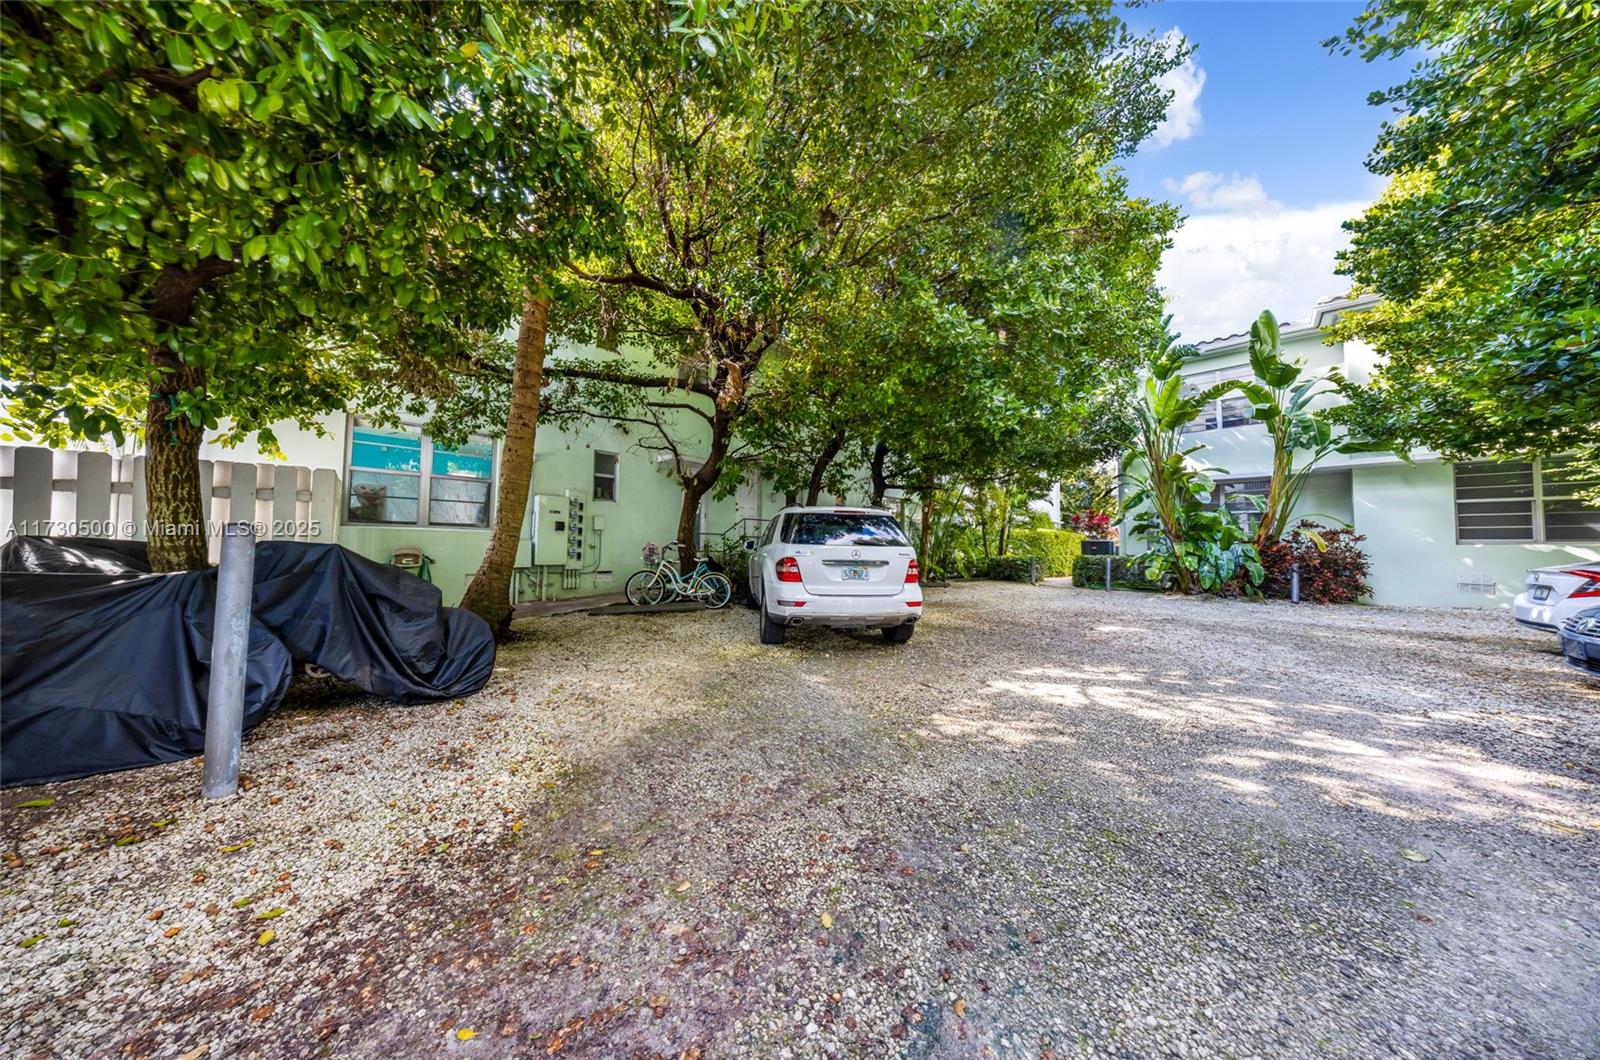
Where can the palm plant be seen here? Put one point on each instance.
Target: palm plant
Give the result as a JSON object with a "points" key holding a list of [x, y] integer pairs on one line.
{"points": [[1191, 545], [1301, 437]]}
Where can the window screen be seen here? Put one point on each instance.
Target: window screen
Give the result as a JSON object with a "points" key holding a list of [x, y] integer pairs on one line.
{"points": [[400, 478], [1236, 410], [840, 528], [1237, 499], [1207, 418], [1494, 501], [1566, 518], [605, 476]]}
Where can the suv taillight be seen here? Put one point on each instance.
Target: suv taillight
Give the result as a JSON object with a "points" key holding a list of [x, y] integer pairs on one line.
{"points": [[1591, 587], [912, 574], [788, 569]]}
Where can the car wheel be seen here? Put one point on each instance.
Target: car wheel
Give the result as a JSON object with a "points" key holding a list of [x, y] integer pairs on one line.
{"points": [[771, 632], [899, 634]]}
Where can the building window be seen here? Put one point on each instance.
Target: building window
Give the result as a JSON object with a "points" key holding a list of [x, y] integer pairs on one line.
{"points": [[1565, 517], [605, 476], [1230, 410], [398, 477], [1238, 499], [1523, 501]]}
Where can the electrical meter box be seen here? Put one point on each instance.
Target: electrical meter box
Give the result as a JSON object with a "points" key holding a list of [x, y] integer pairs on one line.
{"points": [[550, 516], [575, 534]]}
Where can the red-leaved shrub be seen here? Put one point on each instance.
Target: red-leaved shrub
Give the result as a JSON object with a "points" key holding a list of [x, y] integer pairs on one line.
{"points": [[1336, 574], [1089, 524]]}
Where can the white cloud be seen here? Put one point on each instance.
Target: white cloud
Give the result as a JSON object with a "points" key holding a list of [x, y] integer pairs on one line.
{"points": [[1247, 253], [1206, 190], [1184, 82]]}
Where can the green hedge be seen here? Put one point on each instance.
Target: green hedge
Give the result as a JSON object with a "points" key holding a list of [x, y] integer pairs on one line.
{"points": [[1089, 572], [1008, 569], [1056, 550]]}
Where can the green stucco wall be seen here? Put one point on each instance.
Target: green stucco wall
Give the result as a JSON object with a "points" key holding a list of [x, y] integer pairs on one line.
{"points": [[1407, 513]]}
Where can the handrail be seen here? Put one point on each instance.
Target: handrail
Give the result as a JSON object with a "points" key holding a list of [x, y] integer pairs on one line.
{"points": [[737, 526]]}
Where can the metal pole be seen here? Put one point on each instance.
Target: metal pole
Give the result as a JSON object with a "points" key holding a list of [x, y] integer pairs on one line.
{"points": [[1108, 572], [1294, 583], [230, 650]]}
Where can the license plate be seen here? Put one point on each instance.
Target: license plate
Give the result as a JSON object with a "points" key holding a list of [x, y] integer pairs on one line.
{"points": [[1541, 593], [855, 574]]}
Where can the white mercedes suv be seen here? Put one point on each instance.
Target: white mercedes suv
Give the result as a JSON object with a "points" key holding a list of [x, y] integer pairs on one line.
{"points": [[845, 568]]}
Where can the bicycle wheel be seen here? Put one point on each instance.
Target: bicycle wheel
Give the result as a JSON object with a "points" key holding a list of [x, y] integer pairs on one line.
{"points": [[644, 587], [715, 591]]}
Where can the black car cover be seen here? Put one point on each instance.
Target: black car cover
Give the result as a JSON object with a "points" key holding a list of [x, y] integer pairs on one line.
{"points": [[104, 665]]}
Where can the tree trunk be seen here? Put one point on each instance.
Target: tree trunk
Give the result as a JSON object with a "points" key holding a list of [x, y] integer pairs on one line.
{"points": [[688, 516], [927, 522], [697, 485], [489, 594], [880, 482], [819, 467], [1005, 525], [175, 520], [175, 524]]}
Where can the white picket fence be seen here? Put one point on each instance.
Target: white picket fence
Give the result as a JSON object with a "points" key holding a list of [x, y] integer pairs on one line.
{"points": [[79, 493]]}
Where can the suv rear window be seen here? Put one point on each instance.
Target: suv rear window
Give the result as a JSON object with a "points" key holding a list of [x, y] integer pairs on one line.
{"points": [[830, 528]]}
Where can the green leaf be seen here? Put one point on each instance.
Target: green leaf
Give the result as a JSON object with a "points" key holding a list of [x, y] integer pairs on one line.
{"points": [[36, 803], [179, 54]]}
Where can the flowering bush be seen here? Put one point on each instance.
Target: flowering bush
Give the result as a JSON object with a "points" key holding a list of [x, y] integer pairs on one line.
{"points": [[1090, 524], [1333, 569]]}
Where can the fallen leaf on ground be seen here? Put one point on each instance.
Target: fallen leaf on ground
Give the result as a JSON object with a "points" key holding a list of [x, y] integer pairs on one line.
{"points": [[272, 913], [157, 914], [171, 933], [1413, 855], [827, 920], [960, 1006], [466, 1034], [29, 943], [261, 1013], [266, 937], [33, 804], [197, 1052], [684, 886]]}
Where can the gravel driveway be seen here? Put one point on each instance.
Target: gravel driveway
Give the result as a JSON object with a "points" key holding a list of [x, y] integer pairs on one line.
{"points": [[1056, 823]]}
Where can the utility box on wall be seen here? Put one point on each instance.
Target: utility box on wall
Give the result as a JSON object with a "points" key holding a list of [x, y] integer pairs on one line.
{"points": [[550, 520], [561, 535]]}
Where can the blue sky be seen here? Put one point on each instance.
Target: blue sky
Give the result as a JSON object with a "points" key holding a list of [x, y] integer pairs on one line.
{"points": [[1263, 149]]}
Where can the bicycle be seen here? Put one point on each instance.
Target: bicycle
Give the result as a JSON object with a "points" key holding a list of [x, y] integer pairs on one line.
{"points": [[664, 583]]}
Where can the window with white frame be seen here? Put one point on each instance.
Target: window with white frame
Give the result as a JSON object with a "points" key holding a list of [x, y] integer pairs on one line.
{"points": [[605, 476], [1563, 516], [1237, 498], [1524, 501], [1232, 409], [399, 477]]}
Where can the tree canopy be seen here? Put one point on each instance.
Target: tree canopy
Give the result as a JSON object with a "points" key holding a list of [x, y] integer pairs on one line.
{"points": [[205, 202], [1486, 244], [765, 186]]}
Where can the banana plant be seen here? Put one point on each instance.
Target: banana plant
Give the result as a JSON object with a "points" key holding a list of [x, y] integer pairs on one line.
{"points": [[1191, 546], [1302, 437]]}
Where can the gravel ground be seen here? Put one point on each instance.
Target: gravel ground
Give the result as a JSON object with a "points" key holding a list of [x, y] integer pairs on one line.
{"points": [[1056, 823]]}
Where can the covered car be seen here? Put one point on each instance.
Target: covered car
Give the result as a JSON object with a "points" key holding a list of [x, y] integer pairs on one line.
{"points": [[105, 665]]}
